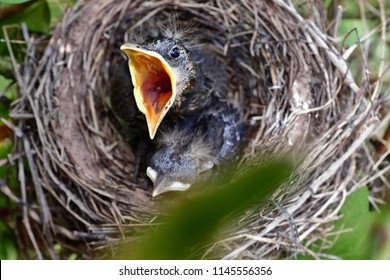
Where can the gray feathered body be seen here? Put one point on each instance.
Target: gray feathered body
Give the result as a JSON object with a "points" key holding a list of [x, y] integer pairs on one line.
{"points": [[195, 145]]}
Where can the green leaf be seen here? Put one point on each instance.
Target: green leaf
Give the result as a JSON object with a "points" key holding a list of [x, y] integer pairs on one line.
{"points": [[8, 249], [57, 9], [73, 257], [356, 220], [6, 68], [351, 234], [36, 16], [15, 1], [354, 28], [11, 92], [194, 222]]}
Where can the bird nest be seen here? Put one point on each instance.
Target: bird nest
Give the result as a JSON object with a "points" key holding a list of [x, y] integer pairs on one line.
{"points": [[297, 94]]}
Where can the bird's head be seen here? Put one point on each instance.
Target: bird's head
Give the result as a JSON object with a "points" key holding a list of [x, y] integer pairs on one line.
{"points": [[162, 71], [170, 172], [181, 160], [175, 173]]}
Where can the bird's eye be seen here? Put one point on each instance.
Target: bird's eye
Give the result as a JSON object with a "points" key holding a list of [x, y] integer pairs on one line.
{"points": [[174, 52]]}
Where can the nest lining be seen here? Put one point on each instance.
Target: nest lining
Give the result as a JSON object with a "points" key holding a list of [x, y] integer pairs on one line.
{"points": [[285, 71]]}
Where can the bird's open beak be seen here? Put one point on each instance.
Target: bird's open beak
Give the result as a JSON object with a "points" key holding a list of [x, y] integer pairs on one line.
{"points": [[154, 84], [163, 185]]}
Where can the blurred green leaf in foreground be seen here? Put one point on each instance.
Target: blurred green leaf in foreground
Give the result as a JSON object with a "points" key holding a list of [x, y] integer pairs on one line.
{"points": [[192, 223]]}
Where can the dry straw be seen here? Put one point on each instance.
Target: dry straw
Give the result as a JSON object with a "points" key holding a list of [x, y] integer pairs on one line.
{"points": [[286, 70]]}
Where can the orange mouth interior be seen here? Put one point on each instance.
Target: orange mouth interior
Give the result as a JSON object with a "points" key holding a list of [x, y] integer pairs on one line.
{"points": [[152, 81]]}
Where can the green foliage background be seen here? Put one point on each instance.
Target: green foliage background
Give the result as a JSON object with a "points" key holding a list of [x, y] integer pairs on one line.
{"points": [[363, 229]]}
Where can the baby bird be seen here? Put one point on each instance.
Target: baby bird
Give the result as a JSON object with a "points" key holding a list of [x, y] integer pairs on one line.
{"points": [[171, 73], [175, 79], [186, 152]]}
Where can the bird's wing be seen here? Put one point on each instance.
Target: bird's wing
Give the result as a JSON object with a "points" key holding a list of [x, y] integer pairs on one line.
{"points": [[223, 129]]}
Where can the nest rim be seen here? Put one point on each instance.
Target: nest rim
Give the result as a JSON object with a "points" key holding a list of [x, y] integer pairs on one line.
{"points": [[290, 98]]}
